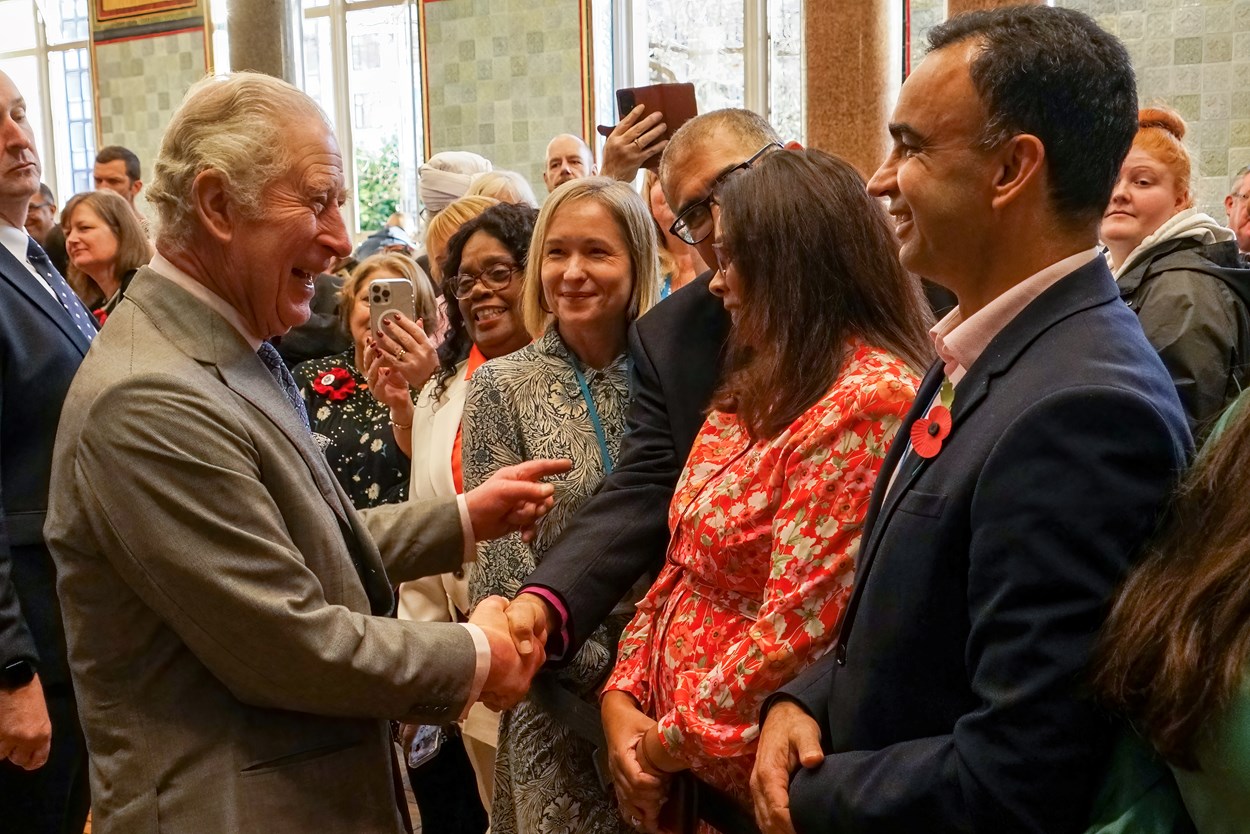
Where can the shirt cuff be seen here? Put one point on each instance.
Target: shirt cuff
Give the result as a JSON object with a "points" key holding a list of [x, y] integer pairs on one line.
{"points": [[482, 646], [466, 527], [558, 639]]}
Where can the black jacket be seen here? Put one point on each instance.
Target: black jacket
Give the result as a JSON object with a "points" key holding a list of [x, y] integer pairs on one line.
{"points": [[1192, 301], [40, 350]]}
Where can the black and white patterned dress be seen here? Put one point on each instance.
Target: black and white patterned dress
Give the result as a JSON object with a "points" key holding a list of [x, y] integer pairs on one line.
{"points": [[525, 406], [359, 442]]}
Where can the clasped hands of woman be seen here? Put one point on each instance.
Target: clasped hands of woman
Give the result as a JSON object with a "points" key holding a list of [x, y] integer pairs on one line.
{"points": [[642, 770]]}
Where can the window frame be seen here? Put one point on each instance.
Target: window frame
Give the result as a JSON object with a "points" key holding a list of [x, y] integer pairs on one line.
{"points": [[630, 58], [336, 12]]}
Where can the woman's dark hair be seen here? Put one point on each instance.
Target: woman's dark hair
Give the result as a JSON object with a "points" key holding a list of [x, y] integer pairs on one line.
{"points": [[818, 265], [511, 225], [1054, 74], [1173, 652]]}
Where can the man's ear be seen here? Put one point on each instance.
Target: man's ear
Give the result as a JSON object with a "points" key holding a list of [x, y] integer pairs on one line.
{"points": [[1020, 161], [213, 205], [793, 146], [1228, 206], [136, 187]]}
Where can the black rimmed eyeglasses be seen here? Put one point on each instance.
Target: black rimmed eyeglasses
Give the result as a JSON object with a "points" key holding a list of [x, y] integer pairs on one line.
{"points": [[493, 278], [695, 223]]}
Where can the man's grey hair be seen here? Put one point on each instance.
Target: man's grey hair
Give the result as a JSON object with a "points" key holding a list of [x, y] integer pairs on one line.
{"points": [[745, 128], [237, 125], [1236, 181]]}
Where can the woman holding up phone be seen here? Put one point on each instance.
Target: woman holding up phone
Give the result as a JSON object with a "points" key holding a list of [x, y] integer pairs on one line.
{"points": [[354, 428]]}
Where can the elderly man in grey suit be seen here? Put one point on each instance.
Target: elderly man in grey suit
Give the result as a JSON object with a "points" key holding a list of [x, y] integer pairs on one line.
{"points": [[224, 605]]}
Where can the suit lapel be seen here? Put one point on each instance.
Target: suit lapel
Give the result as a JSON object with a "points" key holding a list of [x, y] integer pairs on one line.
{"points": [[1086, 287], [246, 375], [208, 338], [20, 278]]}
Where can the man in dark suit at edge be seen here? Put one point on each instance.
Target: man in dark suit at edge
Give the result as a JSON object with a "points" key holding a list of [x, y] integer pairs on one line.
{"points": [[1040, 450], [44, 334]]}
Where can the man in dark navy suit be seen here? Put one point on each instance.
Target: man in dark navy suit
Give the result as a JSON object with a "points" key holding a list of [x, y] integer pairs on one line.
{"points": [[44, 334], [1033, 466]]}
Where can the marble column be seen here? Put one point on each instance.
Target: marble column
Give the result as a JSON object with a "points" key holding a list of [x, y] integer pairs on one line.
{"points": [[954, 7], [848, 79], [264, 37]]}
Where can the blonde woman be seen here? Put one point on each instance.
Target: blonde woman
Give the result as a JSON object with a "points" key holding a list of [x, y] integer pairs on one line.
{"points": [[592, 270]]}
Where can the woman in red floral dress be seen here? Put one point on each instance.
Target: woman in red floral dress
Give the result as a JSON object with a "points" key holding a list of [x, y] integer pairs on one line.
{"points": [[828, 336]]}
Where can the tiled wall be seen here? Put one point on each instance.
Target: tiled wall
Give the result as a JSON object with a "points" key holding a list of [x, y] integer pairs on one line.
{"points": [[1193, 55], [140, 82], [503, 77]]}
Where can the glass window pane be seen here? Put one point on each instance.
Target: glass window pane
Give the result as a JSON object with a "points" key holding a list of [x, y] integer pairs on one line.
{"points": [[65, 21], [383, 98], [220, 39], [72, 117], [700, 43], [17, 22], [319, 64], [785, 67]]}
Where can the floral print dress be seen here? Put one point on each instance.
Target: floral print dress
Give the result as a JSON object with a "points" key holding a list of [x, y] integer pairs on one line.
{"points": [[760, 566], [354, 431], [524, 406]]}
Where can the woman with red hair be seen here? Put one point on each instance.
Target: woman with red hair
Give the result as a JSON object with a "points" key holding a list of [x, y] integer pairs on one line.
{"points": [[1179, 270]]}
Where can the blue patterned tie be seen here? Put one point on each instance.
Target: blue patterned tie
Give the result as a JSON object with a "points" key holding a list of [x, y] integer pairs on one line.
{"points": [[277, 368], [83, 319]]}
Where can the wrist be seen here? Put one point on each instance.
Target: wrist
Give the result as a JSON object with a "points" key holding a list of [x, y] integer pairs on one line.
{"points": [[400, 420], [652, 756]]}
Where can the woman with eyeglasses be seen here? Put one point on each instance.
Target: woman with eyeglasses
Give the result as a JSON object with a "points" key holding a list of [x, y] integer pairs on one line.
{"points": [[593, 270], [828, 338]]}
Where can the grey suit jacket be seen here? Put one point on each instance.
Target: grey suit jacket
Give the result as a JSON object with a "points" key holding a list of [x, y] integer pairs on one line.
{"points": [[221, 597]]}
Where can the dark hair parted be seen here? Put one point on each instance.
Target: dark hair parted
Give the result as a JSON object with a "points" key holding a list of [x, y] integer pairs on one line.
{"points": [[513, 226], [1054, 74], [113, 153], [817, 263], [1173, 652]]}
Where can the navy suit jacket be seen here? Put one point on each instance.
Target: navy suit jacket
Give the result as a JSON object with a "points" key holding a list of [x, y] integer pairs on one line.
{"points": [[621, 531], [953, 699], [40, 350]]}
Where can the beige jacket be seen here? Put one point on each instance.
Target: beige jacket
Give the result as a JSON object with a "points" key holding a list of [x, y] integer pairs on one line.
{"points": [[223, 601]]}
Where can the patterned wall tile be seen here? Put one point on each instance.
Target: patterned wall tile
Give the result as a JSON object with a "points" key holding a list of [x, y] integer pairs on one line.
{"points": [[504, 77], [139, 83]]}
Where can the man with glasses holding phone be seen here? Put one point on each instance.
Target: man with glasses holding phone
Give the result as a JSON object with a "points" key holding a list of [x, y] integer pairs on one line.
{"points": [[1237, 204], [622, 531]]}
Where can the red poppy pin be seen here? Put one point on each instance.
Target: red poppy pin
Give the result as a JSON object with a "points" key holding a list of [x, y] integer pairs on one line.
{"points": [[928, 432], [335, 384]]}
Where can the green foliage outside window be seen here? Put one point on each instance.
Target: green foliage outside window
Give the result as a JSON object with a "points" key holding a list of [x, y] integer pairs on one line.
{"points": [[377, 184]]}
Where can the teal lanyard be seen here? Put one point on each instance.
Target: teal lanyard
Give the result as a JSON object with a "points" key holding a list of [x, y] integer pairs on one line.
{"points": [[594, 415]]}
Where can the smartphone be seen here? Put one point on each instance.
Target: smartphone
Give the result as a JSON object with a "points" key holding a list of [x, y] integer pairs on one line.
{"points": [[390, 295]]}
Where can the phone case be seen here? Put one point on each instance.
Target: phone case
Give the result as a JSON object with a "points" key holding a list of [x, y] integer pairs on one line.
{"points": [[387, 295]]}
